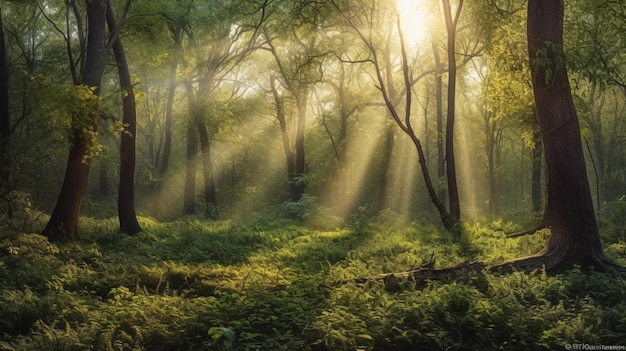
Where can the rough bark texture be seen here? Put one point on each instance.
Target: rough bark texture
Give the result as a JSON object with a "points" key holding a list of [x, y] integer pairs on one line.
{"points": [[126, 190], [574, 234], [536, 174], [63, 223]]}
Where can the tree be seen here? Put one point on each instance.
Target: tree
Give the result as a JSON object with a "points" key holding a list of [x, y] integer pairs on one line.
{"points": [[5, 126], [574, 235], [126, 191], [453, 189], [361, 23], [63, 223], [232, 36], [298, 68]]}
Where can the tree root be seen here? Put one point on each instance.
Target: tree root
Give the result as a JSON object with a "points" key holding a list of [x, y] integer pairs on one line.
{"points": [[554, 262]]}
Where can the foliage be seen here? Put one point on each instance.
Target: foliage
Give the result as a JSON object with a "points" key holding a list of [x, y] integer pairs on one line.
{"points": [[279, 285]]}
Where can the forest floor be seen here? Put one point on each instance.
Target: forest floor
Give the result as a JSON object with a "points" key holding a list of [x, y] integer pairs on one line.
{"points": [[280, 285]]}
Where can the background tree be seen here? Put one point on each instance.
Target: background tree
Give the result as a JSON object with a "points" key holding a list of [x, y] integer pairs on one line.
{"points": [[298, 65], [452, 19], [364, 28], [126, 190]]}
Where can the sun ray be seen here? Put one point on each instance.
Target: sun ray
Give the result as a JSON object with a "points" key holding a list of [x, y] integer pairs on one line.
{"points": [[414, 18]]}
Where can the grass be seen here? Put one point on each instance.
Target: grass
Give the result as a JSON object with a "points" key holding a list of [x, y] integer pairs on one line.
{"points": [[281, 285]]}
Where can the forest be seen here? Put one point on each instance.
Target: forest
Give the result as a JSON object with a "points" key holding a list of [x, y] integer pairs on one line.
{"points": [[312, 175]]}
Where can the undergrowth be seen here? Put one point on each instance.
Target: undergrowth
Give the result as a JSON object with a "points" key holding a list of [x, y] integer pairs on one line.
{"points": [[281, 285]]}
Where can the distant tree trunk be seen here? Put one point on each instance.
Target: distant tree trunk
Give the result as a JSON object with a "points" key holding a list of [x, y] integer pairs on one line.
{"points": [[294, 156], [163, 162], [390, 135], [453, 190], [338, 194], [385, 162], [441, 157], [5, 126], [63, 223], [300, 183], [210, 190], [535, 185], [284, 131], [126, 190], [189, 205], [103, 177], [574, 233], [493, 136]]}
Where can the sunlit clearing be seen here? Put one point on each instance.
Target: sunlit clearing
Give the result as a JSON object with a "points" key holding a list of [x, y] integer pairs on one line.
{"points": [[414, 18]]}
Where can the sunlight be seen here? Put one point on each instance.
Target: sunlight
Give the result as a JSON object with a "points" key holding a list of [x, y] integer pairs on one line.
{"points": [[414, 20]]}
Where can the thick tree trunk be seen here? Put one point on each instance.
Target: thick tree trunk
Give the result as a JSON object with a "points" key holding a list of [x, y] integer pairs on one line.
{"points": [[126, 190], [453, 190], [63, 223], [570, 213], [189, 201], [5, 127]]}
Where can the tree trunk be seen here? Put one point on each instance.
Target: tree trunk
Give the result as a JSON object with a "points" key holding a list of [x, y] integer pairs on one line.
{"points": [[5, 127], [537, 201], [300, 161], [453, 190], [570, 213], [284, 131], [63, 223], [126, 191], [164, 159], [189, 205], [390, 135], [383, 188], [441, 157], [210, 191]]}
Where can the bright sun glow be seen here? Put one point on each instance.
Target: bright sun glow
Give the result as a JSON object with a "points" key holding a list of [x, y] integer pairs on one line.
{"points": [[414, 20]]}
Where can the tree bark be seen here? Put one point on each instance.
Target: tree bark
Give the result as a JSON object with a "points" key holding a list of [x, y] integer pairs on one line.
{"points": [[5, 127], [537, 201], [441, 157], [63, 223], [453, 190], [126, 190], [210, 190], [574, 233]]}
